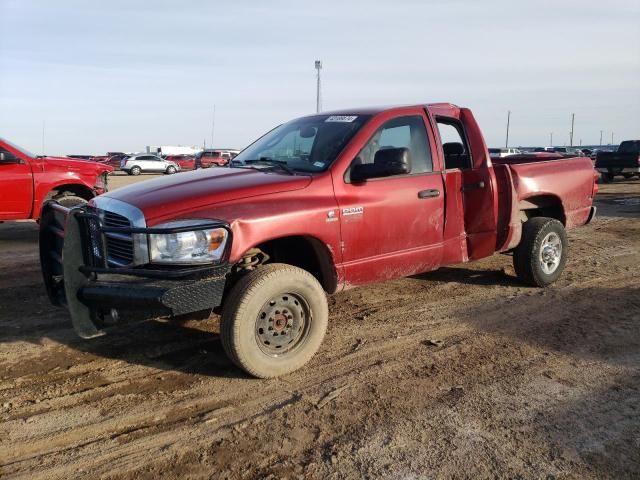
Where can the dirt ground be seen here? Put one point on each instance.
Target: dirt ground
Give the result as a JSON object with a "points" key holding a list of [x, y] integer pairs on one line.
{"points": [[460, 373]]}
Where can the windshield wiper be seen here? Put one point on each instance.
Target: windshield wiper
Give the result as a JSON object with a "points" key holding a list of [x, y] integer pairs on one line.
{"points": [[274, 163]]}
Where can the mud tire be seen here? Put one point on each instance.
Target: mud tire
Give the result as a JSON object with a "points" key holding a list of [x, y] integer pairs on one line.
{"points": [[527, 255], [241, 315]]}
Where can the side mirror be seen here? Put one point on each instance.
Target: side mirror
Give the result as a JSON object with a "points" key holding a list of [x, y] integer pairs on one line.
{"points": [[7, 157], [387, 162]]}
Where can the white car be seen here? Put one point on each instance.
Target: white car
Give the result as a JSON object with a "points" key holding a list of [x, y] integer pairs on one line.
{"points": [[503, 152], [146, 163]]}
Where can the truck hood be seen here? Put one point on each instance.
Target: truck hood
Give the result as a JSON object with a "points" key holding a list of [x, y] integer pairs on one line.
{"points": [[73, 165], [175, 194]]}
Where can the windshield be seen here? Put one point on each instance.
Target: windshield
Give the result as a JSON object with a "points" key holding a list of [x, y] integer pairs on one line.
{"points": [[308, 144], [22, 150]]}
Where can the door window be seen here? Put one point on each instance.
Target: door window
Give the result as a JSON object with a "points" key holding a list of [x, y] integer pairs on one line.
{"points": [[7, 157], [454, 144], [403, 132]]}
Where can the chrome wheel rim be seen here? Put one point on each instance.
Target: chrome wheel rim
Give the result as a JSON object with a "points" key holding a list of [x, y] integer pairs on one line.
{"points": [[282, 324], [550, 253]]}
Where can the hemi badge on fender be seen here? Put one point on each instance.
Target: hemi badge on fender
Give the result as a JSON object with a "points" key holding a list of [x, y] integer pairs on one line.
{"points": [[352, 211], [331, 216]]}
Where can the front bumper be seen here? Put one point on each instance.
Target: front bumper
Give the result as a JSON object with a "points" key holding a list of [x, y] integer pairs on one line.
{"points": [[93, 293]]}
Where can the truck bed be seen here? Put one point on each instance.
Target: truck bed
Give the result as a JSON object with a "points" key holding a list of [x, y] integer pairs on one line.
{"points": [[562, 186]]}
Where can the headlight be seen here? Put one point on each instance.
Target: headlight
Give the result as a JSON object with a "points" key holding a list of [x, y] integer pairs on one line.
{"points": [[101, 180], [200, 245]]}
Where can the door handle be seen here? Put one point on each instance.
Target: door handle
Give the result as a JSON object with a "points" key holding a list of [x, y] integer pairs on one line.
{"points": [[472, 186], [429, 193]]}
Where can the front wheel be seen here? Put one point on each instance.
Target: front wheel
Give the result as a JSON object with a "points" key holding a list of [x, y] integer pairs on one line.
{"points": [[627, 175], [541, 256], [69, 200], [135, 170], [274, 320]]}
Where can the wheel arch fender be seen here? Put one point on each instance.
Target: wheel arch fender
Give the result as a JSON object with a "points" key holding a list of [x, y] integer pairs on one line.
{"points": [[79, 189], [543, 205], [304, 251]]}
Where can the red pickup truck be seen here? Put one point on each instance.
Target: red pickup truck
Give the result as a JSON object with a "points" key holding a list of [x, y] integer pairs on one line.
{"points": [[317, 205], [27, 181]]}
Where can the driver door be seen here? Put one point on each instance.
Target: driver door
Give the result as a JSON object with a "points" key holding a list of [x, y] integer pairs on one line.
{"points": [[393, 226], [16, 187]]}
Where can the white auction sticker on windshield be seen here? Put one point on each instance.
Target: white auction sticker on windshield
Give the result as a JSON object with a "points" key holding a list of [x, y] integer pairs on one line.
{"points": [[341, 118]]}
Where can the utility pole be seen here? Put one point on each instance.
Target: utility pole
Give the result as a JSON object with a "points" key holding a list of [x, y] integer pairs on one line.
{"points": [[42, 137], [600, 137], [573, 115], [551, 139], [318, 68], [506, 143], [611, 138], [213, 123]]}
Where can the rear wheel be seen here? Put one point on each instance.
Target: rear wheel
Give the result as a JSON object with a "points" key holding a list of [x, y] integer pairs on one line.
{"points": [[171, 170], [135, 170], [274, 320], [541, 256], [607, 177]]}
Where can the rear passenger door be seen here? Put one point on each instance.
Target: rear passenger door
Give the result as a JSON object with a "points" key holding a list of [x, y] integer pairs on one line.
{"points": [[158, 164], [207, 158], [392, 226], [152, 163], [464, 161]]}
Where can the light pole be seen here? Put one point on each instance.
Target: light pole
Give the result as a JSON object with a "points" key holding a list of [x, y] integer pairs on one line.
{"points": [[600, 137], [506, 143], [551, 139], [611, 138], [318, 68], [573, 115]]}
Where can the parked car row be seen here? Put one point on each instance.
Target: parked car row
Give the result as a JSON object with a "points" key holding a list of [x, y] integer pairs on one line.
{"points": [[137, 163]]}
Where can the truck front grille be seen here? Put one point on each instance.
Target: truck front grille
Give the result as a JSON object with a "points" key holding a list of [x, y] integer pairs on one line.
{"points": [[119, 245]]}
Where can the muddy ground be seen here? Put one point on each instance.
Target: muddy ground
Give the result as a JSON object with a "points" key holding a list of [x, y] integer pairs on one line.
{"points": [[460, 373]]}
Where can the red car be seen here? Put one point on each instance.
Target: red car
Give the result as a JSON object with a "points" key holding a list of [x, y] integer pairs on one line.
{"points": [[186, 162], [27, 181], [213, 158], [317, 205]]}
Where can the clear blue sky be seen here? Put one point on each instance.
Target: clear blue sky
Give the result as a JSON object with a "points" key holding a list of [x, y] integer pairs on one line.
{"points": [[119, 75]]}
